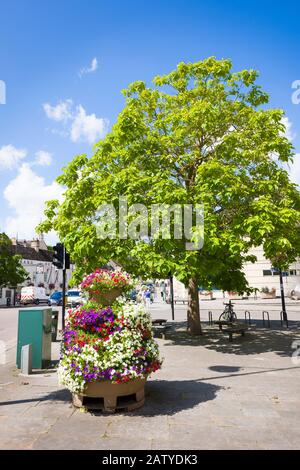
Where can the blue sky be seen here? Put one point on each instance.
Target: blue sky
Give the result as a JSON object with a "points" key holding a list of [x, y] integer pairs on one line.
{"points": [[65, 62]]}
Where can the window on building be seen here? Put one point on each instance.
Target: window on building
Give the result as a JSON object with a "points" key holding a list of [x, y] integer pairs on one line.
{"points": [[293, 272], [267, 272]]}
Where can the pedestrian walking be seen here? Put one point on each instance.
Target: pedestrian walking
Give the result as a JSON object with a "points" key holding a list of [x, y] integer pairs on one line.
{"points": [[147, 297], [163, 290]]}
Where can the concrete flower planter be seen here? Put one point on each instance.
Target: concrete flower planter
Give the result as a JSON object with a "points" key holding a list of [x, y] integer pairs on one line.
{"points": [[268, 296], [205, 295], [267, 293], [109, 397], [234, 296]]}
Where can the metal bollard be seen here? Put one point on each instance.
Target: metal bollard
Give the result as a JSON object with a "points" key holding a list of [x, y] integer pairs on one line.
{"points": [[54, 325], [210, 318], [26, 359]]}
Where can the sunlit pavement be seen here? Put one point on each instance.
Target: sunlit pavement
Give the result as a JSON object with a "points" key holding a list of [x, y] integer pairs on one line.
{"points": [[210, 393]]}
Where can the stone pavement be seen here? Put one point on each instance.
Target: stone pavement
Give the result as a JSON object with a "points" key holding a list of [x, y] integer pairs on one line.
{"points": [[210, 394]]}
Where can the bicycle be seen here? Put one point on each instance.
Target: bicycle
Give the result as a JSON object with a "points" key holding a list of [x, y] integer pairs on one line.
{"points": [[228, 315]]}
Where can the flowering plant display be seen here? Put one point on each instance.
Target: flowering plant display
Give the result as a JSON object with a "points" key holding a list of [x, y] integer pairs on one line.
{"points": [[103, 280], [107, 343]]}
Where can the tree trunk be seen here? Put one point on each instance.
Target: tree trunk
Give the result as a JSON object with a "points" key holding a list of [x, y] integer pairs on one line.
{"points": [[193, 313]]}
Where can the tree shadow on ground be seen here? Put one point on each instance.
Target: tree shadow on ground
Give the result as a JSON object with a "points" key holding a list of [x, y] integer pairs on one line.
{"points": [[62, 395], [257, 340], [225, 369]]}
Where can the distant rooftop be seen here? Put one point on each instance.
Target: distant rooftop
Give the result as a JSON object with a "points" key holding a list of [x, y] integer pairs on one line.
{"points": [[36, 249]]}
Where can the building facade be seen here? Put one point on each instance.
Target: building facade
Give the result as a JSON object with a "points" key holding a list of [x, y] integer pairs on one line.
{"points": [[37, 260], [260, 275]]}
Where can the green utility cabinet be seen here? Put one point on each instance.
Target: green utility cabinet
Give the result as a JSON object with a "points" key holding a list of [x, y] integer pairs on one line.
{"points": [[34, 327]]}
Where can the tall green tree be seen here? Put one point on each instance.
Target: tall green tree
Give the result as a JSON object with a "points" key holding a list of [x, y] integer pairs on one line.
{"points": [[202, 134], [12, 272]]}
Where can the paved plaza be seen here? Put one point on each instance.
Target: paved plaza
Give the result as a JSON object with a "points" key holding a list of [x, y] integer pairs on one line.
{"points": [[209, 394]]}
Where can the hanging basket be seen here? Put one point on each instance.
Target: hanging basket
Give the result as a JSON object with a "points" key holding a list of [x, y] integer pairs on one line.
{"points": [[105, 298]]}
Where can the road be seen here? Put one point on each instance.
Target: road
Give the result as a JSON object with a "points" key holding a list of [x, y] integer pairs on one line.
{"points": [[9, 316]]}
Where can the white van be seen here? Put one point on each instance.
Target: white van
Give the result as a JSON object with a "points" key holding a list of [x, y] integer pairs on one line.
{"points": [[33, 295]]}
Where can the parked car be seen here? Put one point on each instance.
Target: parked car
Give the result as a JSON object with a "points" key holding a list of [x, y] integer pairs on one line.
{"points": [[74, 297], [55, 298], [33, 295]]}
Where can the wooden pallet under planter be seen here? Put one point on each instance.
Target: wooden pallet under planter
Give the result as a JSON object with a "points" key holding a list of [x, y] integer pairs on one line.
{"points": [[110, 397]]}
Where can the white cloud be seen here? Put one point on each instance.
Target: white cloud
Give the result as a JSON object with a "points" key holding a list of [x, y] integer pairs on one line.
{"points": [[92, 68], [60, 132], [10, 157], [295, 169], [61, 112], [87, 127], [78, 125], [288, 128], [26, 195], [43, 158]]}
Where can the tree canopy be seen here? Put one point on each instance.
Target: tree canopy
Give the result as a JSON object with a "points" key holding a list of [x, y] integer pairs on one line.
{"points": [[203, 134], [12, 272]]}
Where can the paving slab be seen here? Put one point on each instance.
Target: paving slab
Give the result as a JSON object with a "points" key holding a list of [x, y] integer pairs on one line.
{"points": [[210, 394]]}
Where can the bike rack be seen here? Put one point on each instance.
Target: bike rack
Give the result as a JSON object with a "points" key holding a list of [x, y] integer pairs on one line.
{"points": [[268, 318], [281, 319], [210, 317], [247, 314]]}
